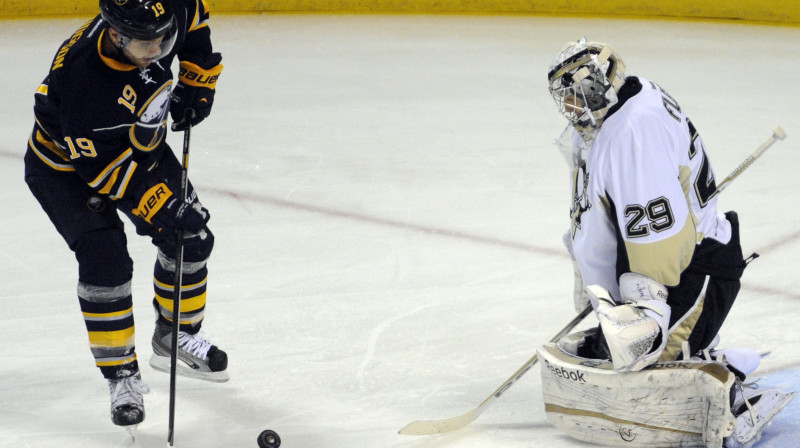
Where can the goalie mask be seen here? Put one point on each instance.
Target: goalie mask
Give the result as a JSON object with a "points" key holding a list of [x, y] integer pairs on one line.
{"points": [[147, 29], [583, 80]]}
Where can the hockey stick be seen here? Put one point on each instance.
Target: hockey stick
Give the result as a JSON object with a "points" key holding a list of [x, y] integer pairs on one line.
{"points": [[176, 292], [777, 134], [429, 427]]}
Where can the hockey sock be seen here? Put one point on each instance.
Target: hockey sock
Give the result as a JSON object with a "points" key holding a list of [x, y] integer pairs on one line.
{"points": [[108, 314], [193, 294]]}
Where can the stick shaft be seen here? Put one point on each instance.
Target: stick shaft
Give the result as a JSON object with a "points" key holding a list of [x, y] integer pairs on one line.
{"points": [[777, 134], [176, 293], [429, 427]]}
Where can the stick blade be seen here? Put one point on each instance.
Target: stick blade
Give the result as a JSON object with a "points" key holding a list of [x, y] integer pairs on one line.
{"points": [[780, 134], [431, 427]]}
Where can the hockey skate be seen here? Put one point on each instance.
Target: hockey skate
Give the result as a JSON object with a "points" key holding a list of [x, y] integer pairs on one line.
{"points": [[754, 410], [127, 403], [197, 357]]}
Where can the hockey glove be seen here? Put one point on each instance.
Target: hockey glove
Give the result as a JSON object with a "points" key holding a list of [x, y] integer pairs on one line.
{"points": [[636, 331], [195, 91], [161, 208]]}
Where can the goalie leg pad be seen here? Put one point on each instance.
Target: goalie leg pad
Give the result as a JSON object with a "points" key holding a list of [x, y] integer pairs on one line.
{"points": [[670, 405]]}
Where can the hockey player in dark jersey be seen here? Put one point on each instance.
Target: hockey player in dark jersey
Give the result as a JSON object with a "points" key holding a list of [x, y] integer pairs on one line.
{"points": [[98, 148]]}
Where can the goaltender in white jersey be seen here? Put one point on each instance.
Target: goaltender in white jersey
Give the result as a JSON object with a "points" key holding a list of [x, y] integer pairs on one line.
{"points": [[659, 265]]}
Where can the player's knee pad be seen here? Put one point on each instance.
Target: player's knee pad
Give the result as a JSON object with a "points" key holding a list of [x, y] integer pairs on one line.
{"points": [[103, 258], [197, 247]]}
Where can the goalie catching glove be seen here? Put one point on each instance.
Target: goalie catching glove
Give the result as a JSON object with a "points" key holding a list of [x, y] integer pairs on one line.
{"points": [[160, 207], [636, 331], [194, 91]]}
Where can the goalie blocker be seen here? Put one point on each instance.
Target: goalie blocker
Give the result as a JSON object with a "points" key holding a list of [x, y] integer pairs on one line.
{"points": [[670, 404]]}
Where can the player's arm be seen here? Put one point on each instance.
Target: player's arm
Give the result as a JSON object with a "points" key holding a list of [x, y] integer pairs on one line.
{"points": [[199, 70], [109, 168]]}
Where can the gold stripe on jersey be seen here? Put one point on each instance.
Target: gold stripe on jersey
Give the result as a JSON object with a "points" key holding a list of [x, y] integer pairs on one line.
{"points": [[112, 63], [42, 89], [196, 22], [111, 167], [111, 181], [123, 184], [685, 177], [52, 146], [52, 164], [657, 259]]}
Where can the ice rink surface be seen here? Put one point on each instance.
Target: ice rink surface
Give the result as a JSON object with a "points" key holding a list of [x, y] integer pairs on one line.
{"points": [[388, 208]]}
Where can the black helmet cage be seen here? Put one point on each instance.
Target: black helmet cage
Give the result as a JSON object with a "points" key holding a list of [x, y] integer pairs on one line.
{"points": [[144, 20]]}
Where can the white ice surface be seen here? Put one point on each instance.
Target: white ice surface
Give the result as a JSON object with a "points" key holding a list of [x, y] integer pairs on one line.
{"points": [[388, 207]]}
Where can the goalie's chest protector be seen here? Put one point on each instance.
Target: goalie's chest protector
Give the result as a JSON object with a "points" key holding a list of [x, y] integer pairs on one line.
{"points": [[675, 404], [645, 194]]}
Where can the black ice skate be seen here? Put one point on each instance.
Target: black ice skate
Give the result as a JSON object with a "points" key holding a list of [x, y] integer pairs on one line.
{"points": [[127, 404], [197, 357]]}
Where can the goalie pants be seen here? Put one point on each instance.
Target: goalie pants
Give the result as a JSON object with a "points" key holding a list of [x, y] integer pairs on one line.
{"points": [[92, 228], [696, 315]]}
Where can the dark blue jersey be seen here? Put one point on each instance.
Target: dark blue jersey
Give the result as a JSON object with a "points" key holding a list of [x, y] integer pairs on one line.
{"points": [[105, 119]]}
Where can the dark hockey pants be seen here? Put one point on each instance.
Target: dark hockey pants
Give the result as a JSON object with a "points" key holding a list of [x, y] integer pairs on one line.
{"points": [[91, 226]]}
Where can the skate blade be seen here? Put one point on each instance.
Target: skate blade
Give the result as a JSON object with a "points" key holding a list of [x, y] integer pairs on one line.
{"points": [[162, 364], [131, 430]]}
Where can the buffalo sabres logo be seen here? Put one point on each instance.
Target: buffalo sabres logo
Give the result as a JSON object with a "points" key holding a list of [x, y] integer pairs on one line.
{"points": [[151, 126], [580, 197], [96, 203]]}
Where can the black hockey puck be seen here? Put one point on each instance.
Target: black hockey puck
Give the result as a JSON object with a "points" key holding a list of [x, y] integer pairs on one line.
{"points": [[269, 439]]}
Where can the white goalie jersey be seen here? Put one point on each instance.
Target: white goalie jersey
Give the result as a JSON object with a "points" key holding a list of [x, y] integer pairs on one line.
{"points": [[643, 193]]}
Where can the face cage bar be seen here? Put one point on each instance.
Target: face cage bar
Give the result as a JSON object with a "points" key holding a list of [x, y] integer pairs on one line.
{"points": [[575, 112]]}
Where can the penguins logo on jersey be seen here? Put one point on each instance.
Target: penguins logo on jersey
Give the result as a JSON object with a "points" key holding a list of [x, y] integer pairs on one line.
{"points": [[150, 128], [580, 196]]}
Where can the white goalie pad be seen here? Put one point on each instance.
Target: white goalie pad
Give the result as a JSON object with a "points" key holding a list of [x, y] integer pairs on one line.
{"points": [[673, 404]]}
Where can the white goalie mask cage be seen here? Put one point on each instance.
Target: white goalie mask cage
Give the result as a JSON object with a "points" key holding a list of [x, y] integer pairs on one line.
{"points": [[584, 79]]}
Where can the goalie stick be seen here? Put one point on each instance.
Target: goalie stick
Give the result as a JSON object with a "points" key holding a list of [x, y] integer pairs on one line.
{"points": [[429, 427], [777, 134]]}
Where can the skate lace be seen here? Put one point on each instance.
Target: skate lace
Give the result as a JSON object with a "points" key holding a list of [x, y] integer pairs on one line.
{"points": [[128, 390], [195, 344], [742, 386]]}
